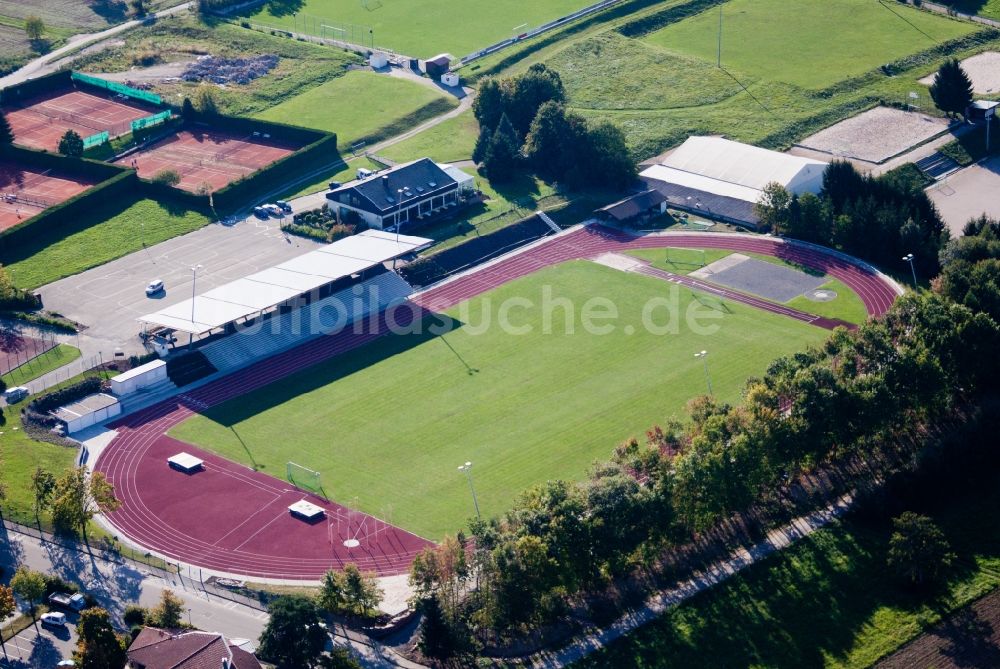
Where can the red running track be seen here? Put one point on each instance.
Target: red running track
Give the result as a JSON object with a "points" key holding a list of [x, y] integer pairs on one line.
{"points": [[229, 518]]}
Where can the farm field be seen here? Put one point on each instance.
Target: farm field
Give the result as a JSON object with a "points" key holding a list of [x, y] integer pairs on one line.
{"points": [[421, 29], [389, 423], [361, 105], [652, 73], [831, 40], [107, 232], [847, 306], [825, 602]]}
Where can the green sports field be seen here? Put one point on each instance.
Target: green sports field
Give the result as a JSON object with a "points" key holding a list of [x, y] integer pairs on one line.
{"points": [[360, 105], [389, 424], [420, 28], [809, 43]]}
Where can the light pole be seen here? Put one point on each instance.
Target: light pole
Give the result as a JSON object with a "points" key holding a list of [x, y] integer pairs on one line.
{"points": [[467, 468], [704, 359], [399, 212], [909, 258], [194, 284]]}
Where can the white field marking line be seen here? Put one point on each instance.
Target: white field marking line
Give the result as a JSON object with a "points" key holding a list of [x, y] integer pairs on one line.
{"points": [[248, 519], [282, 514]]}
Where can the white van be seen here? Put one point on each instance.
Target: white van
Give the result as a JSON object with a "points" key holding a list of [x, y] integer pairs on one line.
{"points": [[15, 394]]}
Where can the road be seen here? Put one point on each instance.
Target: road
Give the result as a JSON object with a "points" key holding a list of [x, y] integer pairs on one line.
{"points": [[49, 62]]}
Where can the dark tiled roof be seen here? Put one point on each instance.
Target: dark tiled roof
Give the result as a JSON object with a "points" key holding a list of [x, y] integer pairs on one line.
{"points": [[714, 206], [634, 205], [161, 649], [421, 179]]}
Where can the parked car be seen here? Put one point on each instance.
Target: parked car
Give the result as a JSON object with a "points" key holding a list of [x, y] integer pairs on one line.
{"points": [[74, 602], [53, 619], [260, 212], [273, 210], [334, 185], [284, 206], [155, 286], [66, 663], [15, 394]]}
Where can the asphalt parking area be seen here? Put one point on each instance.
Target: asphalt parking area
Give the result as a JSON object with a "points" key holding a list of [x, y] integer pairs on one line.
{"points": [[108, 299]]}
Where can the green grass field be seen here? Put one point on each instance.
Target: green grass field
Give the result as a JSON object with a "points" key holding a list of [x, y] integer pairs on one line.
{"points": [[987, 8], [847, 306], [449, 141], [360, 104], [419, 29], [825, 602], [830, 41], [103, 234], [662, 86], [53, 359], [390, 423]]}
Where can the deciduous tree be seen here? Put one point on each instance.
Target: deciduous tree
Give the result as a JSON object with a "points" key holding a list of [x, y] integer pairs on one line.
{"points": [[918, 550], [169, 613], [77, 498], [43, 484], [71, 144], [29, 585], [34, 27], [293, 638], [98, 647], [7, 607]]}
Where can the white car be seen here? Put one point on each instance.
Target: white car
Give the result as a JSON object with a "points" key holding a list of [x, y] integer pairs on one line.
{"points": [[273, 210], [66, 663], [155, 286], [53, 619]]}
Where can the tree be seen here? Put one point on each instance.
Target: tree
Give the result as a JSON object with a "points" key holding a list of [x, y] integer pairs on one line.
{"points": [[43, 483], [187, 109], [602, 159], [918, 550], [436, 640], [7, 607], [503, 153], [361, 591], [338, 658], [71, 144], [34, 27], [169, 612], [331, 597], [98, 647], [293, 637], [77, 499], [204, 100], [138, 7], [167, 177], [773, 208], [29, 585], [6, 133], [531, 90], [952, 88]]}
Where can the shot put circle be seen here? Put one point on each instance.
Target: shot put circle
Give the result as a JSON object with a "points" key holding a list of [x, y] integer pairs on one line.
{"points": [[821, 295]]}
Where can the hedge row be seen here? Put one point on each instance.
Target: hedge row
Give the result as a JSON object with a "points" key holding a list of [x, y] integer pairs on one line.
{"points": [[93, 170], [122, 185], [33, 87], [662, 19]]}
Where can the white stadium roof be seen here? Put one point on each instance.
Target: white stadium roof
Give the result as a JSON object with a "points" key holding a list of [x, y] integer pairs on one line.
{"points": [[269, 288]]}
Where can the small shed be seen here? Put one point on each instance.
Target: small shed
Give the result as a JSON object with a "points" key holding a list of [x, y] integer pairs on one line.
{"points": [[138, 378], [378, 60], [641, 204], [981, 110], [451, 79], [437, 66], [88, 411], [466, 182]]}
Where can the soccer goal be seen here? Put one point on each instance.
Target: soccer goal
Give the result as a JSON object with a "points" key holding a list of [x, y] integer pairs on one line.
{"points": [[303, 477]]}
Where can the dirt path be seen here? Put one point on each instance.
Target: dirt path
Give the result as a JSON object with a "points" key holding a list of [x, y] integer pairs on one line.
{"points": [[970, 637]]}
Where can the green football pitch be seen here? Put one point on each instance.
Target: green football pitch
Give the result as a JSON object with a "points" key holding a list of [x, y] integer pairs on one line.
{"points": [[809, 43], [419, 28], [388, 425]]}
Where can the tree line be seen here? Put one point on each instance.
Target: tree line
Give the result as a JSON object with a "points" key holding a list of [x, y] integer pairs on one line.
{"points": [[864, 400], [524, 124]]}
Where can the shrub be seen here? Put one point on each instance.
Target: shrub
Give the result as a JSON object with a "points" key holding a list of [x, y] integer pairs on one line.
{"points": [[167, 177]]}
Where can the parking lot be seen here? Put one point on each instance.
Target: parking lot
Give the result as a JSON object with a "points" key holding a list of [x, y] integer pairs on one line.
{"points": [[43, 649], [108, 299], [968, 193]]}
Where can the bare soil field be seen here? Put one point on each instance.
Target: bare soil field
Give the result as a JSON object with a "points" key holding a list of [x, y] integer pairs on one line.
{"points": [[968, 638], [875, 135], [76, 15], [983, 69]]}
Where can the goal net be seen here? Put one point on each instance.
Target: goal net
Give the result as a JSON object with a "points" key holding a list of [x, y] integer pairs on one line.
{"points": [[303, 477]]}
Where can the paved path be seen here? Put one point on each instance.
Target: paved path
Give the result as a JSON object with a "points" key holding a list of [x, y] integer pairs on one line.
{"points": [[49, 62], [657, 605]]}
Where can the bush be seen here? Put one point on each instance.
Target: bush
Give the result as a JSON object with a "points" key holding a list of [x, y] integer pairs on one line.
{"points": [[134, 616], [167, 177]]}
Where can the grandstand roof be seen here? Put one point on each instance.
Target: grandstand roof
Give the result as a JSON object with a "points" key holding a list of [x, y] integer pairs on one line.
{"points": [[269, 288]]}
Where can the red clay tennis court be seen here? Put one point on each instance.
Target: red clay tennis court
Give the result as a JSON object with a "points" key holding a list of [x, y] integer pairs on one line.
{"points": [[41, 121], [26, 191], [208, 159]]}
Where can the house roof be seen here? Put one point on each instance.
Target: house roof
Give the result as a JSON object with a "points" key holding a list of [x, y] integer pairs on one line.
{"points": [[379, 193], [634, 205], [737, 163], [162, 649]]}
